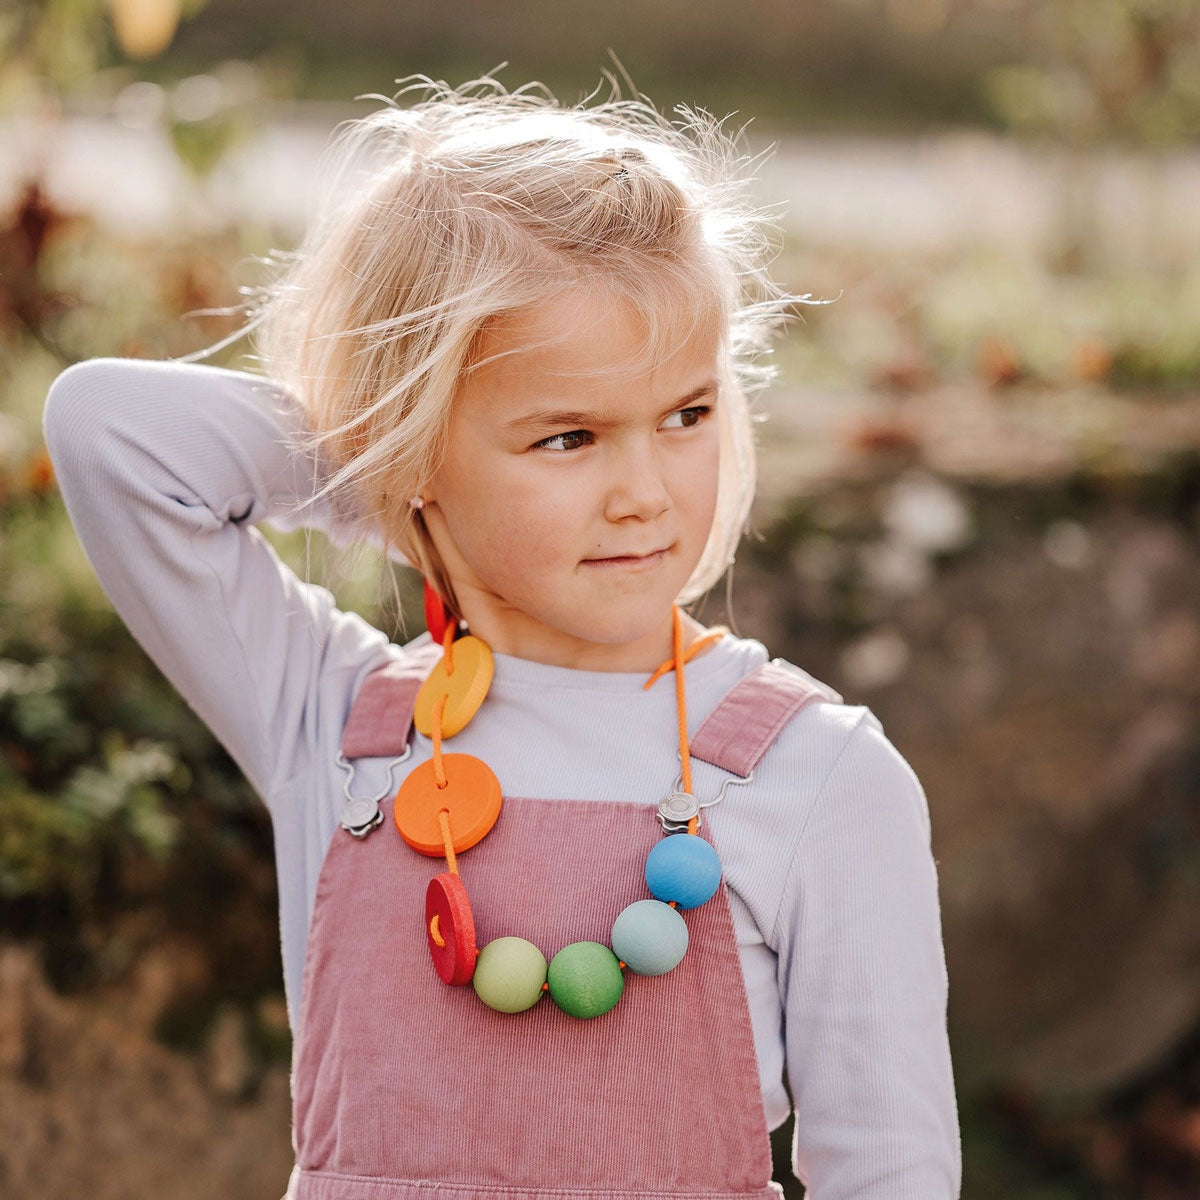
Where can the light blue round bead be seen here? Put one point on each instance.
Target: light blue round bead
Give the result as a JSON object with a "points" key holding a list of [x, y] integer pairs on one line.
{"points": [[685, 868], [650, 937]]}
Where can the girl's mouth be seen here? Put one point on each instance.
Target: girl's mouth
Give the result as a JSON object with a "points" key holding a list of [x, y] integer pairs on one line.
{"points": [[629, 561]]}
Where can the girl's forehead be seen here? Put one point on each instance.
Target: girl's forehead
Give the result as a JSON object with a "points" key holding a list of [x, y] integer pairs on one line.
{"points": [[584, 333]]}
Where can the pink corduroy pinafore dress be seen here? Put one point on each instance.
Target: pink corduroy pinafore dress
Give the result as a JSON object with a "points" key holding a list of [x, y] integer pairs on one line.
{"points": [[406, 1088]]}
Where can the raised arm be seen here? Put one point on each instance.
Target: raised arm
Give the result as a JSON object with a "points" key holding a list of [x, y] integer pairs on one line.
{"points": [[863, 976], [165, 468]]}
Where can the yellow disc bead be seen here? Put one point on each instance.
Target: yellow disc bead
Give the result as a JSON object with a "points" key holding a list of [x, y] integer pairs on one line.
{"points": [[464, 688]]}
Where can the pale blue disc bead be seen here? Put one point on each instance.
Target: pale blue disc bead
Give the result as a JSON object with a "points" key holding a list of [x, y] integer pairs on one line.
{"points": [[650, 937], [683, 867]]}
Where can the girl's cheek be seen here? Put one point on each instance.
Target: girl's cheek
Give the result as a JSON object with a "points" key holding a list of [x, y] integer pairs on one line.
{"points": [[520, 536]]}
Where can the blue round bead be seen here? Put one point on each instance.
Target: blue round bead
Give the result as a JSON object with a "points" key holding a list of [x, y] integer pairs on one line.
{"points": [[650, 937], [685, 868]]}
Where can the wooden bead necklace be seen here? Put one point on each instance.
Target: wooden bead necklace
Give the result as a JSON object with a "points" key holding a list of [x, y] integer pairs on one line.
{"points": [[449, 803]]}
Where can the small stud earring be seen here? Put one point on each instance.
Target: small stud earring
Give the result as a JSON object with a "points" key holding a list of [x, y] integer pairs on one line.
{"points": [[417, 502]]}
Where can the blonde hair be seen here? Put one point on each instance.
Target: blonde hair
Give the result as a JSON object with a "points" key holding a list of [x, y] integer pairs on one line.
{"points": [[474, 202]]}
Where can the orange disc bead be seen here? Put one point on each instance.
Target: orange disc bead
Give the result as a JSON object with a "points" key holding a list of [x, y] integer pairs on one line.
{"points": [[446, 899], [464, 688], [471, 798]]}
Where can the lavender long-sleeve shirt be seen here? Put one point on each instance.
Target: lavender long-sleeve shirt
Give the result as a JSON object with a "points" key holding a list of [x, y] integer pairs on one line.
{"points": [[166, 468]]}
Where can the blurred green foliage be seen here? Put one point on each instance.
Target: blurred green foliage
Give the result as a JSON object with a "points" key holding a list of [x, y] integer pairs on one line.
{"points": [[1098, 71], [55, 48], [102, 54]]}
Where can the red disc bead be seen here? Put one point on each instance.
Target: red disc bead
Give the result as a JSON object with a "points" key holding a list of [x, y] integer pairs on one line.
{"points": [[446, 897]]}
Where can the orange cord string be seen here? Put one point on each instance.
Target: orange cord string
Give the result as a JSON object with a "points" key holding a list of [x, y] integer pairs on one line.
{"points": [[447, 642], [439, 770], [688, 655], [447, 841], [685, 757], [675, 663]]}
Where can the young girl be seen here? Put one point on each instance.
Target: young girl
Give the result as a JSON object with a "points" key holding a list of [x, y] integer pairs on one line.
{"points": [[567, 879]]}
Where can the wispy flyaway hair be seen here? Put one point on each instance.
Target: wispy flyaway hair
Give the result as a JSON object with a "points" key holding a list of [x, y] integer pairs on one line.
{"points": [[437, 216]]}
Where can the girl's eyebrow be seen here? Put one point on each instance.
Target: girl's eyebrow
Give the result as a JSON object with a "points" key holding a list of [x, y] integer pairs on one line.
{"points": [[548, 417]]}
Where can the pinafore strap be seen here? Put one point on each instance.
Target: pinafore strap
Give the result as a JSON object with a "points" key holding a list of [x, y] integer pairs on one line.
{"points": [[382, 712], [739, 731]]}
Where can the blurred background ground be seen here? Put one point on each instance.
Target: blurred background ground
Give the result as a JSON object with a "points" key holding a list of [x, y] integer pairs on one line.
{"points": [[979, 514]]}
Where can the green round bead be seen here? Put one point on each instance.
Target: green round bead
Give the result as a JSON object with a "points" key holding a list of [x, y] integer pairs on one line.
{"points": [[509, 974], [585, 979]]}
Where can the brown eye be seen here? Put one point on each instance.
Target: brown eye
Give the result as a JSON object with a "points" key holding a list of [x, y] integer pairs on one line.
{"points": [[691, 416], [571, 439]]}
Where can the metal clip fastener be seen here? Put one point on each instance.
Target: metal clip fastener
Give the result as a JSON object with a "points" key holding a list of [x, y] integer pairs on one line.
{"points": [[679, 807], [676, 810], [361, 814]]}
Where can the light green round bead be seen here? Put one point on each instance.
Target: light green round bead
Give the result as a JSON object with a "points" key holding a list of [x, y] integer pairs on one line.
{"points": [[585, 979], [509, 974]]}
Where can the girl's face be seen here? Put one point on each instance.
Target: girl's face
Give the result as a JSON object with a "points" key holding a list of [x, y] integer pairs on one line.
{"points": [[571, 510]]}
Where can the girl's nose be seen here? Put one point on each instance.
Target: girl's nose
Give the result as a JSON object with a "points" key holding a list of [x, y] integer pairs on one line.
{"points": [[637, 486]]}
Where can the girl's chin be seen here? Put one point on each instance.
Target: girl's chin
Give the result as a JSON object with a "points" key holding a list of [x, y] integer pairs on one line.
{"points": [[612, 608]]}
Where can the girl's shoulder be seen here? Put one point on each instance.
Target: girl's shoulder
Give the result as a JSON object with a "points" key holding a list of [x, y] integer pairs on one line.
{"points": [[822, 736], [767, 674], [814, 720]]}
